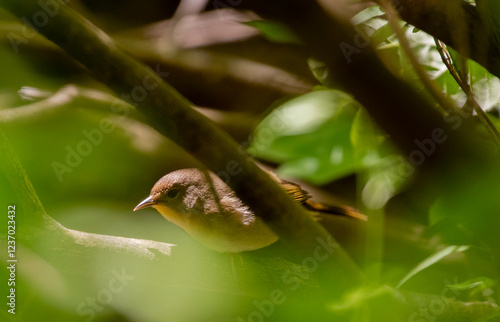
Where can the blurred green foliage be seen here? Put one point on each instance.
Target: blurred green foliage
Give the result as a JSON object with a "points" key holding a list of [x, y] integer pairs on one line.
{"points": [[310, 137], [322, 137]]}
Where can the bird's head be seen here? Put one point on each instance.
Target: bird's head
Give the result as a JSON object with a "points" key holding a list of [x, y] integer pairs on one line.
{"points": [[181, 192]]}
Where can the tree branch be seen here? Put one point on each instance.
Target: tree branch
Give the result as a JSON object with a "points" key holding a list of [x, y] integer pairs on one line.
{"points": [[172, 115], [75, 253], [39, 228]]}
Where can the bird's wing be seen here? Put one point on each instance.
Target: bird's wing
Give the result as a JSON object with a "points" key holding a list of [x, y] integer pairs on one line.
{"points": [[303, 197], [294, 190], [334, 210]]}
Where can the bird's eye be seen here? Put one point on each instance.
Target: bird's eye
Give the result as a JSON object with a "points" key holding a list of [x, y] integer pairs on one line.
{"points": [[173, 193]]}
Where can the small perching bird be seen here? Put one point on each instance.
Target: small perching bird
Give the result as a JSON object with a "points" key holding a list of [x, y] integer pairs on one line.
{"points": [[204, 206]]}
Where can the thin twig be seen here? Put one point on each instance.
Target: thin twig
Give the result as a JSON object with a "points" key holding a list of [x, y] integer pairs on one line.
{"points": [[446, 58], [462, 81], [394, 18]]}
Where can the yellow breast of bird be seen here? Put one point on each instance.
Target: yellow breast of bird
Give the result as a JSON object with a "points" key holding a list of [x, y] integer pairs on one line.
{"points": [[231, 230]]}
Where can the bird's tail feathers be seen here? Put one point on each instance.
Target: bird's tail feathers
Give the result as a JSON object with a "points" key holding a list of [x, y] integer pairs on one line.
{"points": [[334, 210]]}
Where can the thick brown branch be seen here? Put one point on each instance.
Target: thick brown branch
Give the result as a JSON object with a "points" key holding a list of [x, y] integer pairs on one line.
{"points": [[171, 114]]}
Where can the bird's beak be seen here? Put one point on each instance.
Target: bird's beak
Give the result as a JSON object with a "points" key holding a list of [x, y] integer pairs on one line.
{"points": [[148, 202]]}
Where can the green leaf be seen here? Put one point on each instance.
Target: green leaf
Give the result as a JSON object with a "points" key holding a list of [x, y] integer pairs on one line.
{"points": [[381, 34], [310, 135], [383, 182], [320, 71], [380, 160], [480, 283], [485, 87], [275, 31], [433, 259], [367, 14], [365, 136]]}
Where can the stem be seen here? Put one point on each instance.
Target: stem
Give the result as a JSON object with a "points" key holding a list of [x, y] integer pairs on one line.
{"points": [[459, 24], [394, 18], [465, 86]]}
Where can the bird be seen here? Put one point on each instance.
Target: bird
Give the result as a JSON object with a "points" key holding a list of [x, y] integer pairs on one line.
{"points": [[204, 206]]}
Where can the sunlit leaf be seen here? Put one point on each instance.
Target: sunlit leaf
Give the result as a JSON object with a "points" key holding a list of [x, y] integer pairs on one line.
{"points": [[367, 14], [310, 136], [431, 260], [320, 71]]}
